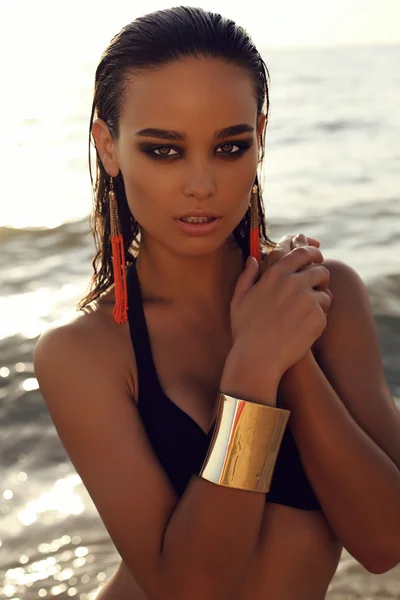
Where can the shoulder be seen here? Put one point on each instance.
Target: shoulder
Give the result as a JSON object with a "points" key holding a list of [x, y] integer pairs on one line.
{"points": [[89, 325], [345, 282], [92, 338], [350, 315], [339, 267]]}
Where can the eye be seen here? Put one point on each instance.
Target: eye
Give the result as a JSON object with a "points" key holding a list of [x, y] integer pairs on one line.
{"points": [[230, 144], [241, 148], [162, 154]]}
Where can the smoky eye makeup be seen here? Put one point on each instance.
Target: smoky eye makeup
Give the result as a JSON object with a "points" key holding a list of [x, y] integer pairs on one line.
{"points": [[169, 152]]}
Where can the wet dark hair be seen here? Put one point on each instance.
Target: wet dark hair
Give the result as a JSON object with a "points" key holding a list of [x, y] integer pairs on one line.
{"points": [[150, 41]]}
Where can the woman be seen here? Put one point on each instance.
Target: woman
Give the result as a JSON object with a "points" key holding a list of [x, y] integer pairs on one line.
{"points": [[194, 334]]}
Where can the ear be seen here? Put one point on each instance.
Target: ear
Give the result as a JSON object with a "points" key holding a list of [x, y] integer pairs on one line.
{"points": [[260, 128], [261, 122], [105, 146]]}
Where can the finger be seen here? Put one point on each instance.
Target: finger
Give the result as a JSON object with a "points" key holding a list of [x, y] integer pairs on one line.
{"points": [[323, 287], [286, 239], [246, 279], [315, 276], [313, 242], [323, 300], [319, 271], [285, 245], [297, 258], [276, 254], [301, 239]]}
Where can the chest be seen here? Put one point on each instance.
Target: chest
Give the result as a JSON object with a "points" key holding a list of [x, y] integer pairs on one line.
{"points": [[189, 358]]}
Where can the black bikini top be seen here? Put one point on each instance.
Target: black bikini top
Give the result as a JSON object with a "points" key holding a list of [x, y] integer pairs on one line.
{"points": [[179, 442]]}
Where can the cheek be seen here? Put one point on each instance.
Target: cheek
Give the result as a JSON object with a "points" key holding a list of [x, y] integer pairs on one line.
{"points": [[236, 178], [242, 179], [142, 187], [239, 184], [146, 206]]}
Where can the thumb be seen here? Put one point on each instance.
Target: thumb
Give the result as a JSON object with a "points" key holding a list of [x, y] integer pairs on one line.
{"points": [[299, 240], [246, 279]]}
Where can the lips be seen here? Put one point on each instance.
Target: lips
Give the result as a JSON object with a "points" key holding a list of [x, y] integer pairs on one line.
{"points": [[197, 219], [199, 213], [198, 229]]}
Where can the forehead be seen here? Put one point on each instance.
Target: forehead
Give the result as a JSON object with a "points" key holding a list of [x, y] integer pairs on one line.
{"points": [[187, 93]]}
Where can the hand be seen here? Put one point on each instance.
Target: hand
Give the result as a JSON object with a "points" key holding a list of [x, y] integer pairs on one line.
{"points": [[285, 245], [276, 318]]}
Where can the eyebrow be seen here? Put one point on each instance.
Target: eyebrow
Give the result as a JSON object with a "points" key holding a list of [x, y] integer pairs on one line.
{"points": [[167, 134]]}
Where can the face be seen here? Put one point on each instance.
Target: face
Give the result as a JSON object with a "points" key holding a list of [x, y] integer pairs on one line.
{"points": [[198, 169]]}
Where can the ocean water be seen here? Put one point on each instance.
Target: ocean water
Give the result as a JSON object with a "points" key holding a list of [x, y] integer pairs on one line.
{"points": [[332, 171]]}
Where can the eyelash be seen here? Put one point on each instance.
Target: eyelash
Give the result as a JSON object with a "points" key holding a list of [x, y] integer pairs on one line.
{"points": [[243, 146]]}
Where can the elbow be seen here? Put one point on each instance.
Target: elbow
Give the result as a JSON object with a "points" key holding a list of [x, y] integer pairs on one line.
{"points": [[383, 562], [382, 566], [380, 553]]}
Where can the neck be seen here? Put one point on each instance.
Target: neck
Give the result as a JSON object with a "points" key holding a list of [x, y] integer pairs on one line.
{"points": [[202, 285]]}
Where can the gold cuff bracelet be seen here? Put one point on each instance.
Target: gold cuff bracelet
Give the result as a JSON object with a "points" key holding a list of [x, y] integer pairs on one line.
{"points": [[245, 444]]}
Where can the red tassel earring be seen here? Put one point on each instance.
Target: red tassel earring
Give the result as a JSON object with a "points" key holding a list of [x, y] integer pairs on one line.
{"points": [[254, 225], [120, 313]]}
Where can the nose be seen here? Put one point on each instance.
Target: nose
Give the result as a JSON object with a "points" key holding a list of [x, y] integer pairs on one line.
{"points": [[200, 181]]}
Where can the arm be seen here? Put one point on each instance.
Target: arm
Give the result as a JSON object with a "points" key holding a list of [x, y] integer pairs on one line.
{"points": [[177, 549], [347, 427]]}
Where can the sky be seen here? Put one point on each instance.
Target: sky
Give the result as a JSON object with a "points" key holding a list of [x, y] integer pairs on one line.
{"points": [[41, 41], [45, 38], [84, 27]]}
